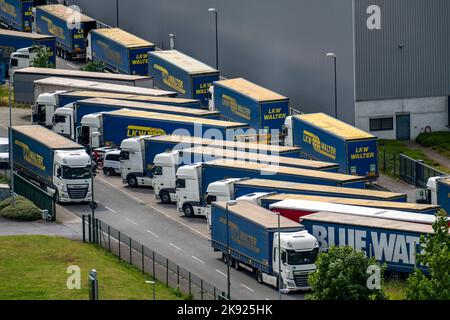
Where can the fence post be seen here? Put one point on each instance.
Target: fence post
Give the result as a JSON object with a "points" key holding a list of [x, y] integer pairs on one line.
{"points": [[153, 261], [131, 253], [142, 257], [178, 275], [109, 238], [190, 290], [395, 156], [201, 289], [119, 245], [89, 229], [167, 272], [83, 221], [100, 234], [214, 291]]}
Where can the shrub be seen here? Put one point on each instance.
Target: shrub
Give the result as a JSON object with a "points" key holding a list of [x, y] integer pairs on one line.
{"points": [[23, 210]]}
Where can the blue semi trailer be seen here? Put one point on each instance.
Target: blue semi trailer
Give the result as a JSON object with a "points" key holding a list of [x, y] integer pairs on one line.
{"points": [[395, 243], [249, 186], [120, 51], [70, 38], [241, 100], [118, 125], [18, 14], [189, 77], [253, 243], [322, 137], [11, 41]]}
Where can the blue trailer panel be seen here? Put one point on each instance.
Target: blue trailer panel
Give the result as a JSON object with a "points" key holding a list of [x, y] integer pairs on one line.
{"points": [[121, 51], [250, 237], [52, 20], [392, 242], [240, 100], [249, 186], [11, 41], [176, 71], [72, 96], [322, 137], [122, 124], [220, 169], [443, 194], [17, 14]]}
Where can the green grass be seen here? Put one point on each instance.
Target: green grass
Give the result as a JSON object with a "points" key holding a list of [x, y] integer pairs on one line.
{"points": [[395, 289], [22, 210], [438, 141], [4, 98], [34, 267], [394, 147], [3, 179]]}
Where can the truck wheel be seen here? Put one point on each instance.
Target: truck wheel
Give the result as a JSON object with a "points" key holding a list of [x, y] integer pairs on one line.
{"points": [[132, 181], [259, 276], [106, 171], [165, 197], [188, 211]]}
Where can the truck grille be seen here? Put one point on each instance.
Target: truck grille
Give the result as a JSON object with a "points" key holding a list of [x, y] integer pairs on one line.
{"points": [[301, 278], [77, 192]]}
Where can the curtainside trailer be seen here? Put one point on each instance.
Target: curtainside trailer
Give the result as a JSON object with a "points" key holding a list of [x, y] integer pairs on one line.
{"points": [[18, 14], [322, 137], [120, 51]]}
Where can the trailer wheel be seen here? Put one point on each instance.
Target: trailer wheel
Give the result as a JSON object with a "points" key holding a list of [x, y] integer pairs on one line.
{"points": [[188, 210], [132, 181], [165, 197], [259, 276]]}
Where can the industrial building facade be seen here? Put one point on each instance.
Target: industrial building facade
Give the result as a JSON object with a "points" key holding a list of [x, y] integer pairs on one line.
{"points": [[393, 56]]}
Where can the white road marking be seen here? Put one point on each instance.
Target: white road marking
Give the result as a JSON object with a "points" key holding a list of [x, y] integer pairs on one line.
{"points": [[174, 246], [194, 257], [221, 273], [123, 191], [153, 234], [183, 224], [243, 285], [109, 209], [71, 65], [131, 221]]}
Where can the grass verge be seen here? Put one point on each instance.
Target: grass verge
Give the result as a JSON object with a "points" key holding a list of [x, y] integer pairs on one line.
{"points": [[22, 210], [438, 141], [395, 289], [34, 267]]}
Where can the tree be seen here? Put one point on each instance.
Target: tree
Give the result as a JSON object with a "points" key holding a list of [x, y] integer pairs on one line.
{"points": [[435, 285], [94, 66], [42, 56], [342, 274]]}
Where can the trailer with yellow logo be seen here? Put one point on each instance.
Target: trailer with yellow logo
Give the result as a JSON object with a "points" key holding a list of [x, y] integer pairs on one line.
{"points": [[324, 138]]}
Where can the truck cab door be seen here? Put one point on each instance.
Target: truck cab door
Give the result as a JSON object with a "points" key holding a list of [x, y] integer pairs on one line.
{"points": [[61, 125]]}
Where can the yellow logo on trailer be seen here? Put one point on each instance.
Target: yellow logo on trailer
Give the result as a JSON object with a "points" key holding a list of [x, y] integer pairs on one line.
{"points": [[111, 54], [54, 30], [170, 80], [318, 146], [31, 157], [7, 8], [236, 108], [242, 238], [136, 131]]}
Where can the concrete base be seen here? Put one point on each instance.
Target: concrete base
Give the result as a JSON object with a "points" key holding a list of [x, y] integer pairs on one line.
{"points": [[429, 112]]}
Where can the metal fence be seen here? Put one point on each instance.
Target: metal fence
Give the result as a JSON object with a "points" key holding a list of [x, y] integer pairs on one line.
{"points": [[147, 260], [409, 170]]}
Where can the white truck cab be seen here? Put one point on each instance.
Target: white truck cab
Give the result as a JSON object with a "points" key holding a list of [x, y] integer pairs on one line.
{"points": [[44, 108], [288, 133], [254, 197], [72, 176], [20, 59], [89, 124], [210, 96], [188, 185], [165, 166], [132, 158], [430, 194]]}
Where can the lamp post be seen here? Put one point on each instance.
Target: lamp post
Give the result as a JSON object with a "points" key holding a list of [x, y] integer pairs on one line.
{"points": [[228, 204], [93, 204], [279, 255], [11, 164], [214, 10], [153, 283], [333, 55], [117, 13]]}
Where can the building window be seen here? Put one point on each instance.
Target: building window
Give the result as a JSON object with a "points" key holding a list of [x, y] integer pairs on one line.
{"points": [[382, 124]]}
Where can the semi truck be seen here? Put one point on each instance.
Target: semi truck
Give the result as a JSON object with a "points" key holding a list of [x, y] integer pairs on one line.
{"points": [[18, 14], [322, 137], [118, 125], [69, 26], [249, 186], [120, 51], [437, 192], [265, 199], [164, 165], [395, 243], [13, 43], [254, 245], [67, 119], [60, 166], [173, 70], [54, 84], [138, 153], [241, 100], [295, 209], [193, 181]]}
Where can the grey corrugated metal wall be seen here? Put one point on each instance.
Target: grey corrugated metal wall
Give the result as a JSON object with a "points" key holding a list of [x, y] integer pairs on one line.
{"points": [[279, 44], [421, 68]]}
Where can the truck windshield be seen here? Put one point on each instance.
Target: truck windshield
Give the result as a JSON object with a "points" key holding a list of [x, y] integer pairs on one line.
{"points": [[305, 257], [76, 173]]}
